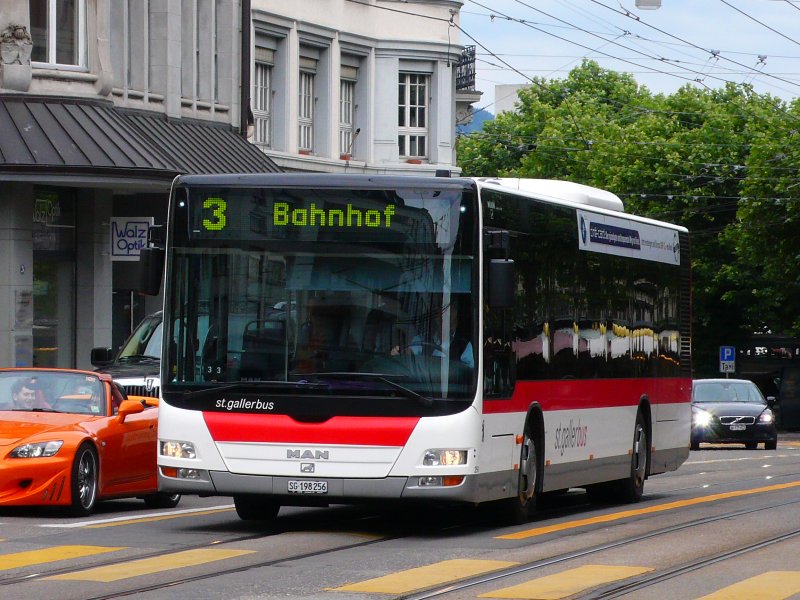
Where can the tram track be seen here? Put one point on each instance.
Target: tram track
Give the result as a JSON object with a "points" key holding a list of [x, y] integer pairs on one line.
{"points": [[673, 572], [504, 574], [441, 591]]}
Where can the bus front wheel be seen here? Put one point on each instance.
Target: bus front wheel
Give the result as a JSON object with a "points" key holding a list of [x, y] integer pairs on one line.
{"points": [[255, 508], [520, 508]]}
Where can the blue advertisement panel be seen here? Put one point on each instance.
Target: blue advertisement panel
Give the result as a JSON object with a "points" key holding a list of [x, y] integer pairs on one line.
{"points": [[625, 237]]}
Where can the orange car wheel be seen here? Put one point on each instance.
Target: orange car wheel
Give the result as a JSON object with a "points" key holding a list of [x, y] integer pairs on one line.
{"points": [[85, 475]]}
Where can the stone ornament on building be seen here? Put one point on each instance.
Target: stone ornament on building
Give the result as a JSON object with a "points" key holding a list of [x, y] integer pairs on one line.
{"points": [[16, 45]]}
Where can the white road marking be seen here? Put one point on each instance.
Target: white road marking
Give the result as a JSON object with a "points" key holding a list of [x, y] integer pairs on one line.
{"points": [[135, 517]]}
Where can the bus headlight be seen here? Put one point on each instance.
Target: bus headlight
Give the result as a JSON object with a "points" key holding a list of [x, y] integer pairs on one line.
{"points": [[177, 449], [444, 457]]}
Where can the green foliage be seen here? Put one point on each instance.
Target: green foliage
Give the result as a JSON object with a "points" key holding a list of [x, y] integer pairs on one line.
{"points": [[722, 162]]}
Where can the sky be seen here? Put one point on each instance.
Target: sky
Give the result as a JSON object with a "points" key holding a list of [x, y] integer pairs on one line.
{"points": [[684, 42]]}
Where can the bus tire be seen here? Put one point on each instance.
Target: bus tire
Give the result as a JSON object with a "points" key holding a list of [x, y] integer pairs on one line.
{"points": [[631, 488], [520, 508], [255, 508], [161, 500]]}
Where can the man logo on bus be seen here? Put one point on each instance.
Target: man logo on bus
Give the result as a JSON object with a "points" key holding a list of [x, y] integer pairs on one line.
{"points": [[308, 454]]}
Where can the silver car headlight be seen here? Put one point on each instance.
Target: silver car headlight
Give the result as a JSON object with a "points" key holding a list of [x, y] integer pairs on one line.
{"points": [[701, 418], [37, 449], [766, 417]]}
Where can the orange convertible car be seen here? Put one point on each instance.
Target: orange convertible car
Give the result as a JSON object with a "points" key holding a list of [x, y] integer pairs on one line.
{"points": [[70, 438]]}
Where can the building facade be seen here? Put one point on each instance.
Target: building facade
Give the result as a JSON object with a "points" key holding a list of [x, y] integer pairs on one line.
{"points": [[366, 86], [104, 102]]}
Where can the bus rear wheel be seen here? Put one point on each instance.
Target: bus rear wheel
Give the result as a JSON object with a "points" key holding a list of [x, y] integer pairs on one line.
{"points": [[255, 508], [631, 488]]}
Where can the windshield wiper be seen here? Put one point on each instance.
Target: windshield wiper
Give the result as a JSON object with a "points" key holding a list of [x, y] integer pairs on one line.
{"points": [[47, 410], [383, 378], [137, 357]]}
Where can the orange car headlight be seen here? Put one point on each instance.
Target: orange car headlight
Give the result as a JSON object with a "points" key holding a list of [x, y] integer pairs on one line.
{"points": [[37, 449]]}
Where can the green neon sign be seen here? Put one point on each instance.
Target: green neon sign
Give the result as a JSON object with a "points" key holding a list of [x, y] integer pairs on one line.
{"points": [[283, 215], [218, 207]]}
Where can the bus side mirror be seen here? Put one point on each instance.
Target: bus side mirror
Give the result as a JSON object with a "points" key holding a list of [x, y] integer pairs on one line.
{"points": [[151, 266], [501, 283]]}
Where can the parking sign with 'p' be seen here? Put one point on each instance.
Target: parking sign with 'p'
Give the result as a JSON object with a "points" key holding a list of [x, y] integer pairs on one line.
{"points": [[727, 359]]}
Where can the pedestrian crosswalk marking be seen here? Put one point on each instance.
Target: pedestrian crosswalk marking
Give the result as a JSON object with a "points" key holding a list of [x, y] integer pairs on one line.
{"points": [[148, 566], [567, 583], [46, 555], [425, 577], [774, 585]]}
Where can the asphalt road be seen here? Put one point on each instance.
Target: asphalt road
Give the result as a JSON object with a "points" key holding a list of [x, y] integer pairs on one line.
{"points": [[726, 525]]}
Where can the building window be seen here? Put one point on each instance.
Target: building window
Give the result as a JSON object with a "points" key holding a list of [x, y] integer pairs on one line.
{"points": [[412, 115], [347, 93], [58, 29], [262, 86], [306, 112], [199, 56]]}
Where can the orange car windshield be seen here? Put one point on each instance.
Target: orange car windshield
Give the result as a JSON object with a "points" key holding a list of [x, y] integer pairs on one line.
{"points": [[52, 391]]}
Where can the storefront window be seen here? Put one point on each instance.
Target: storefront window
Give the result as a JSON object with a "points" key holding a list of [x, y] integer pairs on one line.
{"points": [[54, 278]]}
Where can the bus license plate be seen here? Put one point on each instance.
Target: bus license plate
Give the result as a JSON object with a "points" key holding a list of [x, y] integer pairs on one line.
{"points": [[307, 487], [738, 427]]}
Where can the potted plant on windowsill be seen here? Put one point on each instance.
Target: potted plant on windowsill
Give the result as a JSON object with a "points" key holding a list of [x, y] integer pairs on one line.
{"points": [[304, 152], [413, 161], [345, 156]]}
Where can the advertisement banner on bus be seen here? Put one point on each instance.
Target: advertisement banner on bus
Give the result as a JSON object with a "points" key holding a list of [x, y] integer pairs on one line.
{"points": [[623, 237]]}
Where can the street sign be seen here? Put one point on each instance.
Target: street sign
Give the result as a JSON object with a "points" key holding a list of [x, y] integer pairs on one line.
{"points": [[727, 359]]}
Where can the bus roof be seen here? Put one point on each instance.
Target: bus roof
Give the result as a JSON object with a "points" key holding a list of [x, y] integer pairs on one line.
{"points": [[571, 194], [561, 190], [325, 180]]}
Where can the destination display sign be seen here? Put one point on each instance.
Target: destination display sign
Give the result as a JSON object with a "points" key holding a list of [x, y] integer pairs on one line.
{"points": [[271, 215]]}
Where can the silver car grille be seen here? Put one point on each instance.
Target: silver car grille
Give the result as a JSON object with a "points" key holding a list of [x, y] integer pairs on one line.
{"points": [[737, 420], [140, 390]]}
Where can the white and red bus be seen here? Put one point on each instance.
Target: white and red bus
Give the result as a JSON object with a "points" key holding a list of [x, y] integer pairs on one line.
{"points": [[349, 338]]}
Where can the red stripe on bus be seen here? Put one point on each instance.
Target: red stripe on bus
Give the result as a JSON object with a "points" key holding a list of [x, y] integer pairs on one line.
{"points": [[358, 431], [571, 394]]}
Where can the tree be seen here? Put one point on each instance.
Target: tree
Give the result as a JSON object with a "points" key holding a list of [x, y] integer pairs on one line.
{"points": [[696, 157]]}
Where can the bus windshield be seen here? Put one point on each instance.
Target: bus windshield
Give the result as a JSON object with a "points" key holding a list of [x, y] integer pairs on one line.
{"points": [[362, 292]]}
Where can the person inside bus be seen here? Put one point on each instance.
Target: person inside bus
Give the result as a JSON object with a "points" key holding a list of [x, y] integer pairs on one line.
{"points": [[453, 344]]}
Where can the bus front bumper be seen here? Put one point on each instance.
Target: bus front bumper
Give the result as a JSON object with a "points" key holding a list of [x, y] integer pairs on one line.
{"points": [[338, 490]]}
